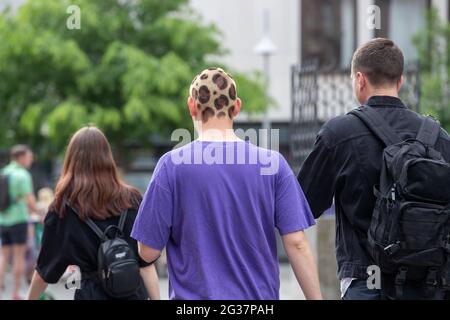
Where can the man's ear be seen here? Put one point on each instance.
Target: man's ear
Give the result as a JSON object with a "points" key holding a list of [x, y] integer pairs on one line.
{"points": [[400, 83], [237, 107], [192, 107], [361, 80]]}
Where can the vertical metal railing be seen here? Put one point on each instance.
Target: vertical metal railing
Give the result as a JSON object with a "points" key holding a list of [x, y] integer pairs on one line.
{"points": [[318, 96]]}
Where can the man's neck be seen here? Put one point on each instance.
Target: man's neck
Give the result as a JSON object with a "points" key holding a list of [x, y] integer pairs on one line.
{"points": [[385, 92], [16, 164], [217, 133]]}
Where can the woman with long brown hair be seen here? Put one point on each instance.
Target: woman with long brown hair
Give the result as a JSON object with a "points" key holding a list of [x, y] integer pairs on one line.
{"points": [[89, 189]]}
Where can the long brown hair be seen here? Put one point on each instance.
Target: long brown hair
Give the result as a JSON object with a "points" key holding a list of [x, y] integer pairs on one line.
{"points": [[89, 180]]}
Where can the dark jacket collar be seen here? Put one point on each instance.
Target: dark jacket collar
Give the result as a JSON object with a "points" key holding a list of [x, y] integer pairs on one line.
{"points": [[385, 101]]}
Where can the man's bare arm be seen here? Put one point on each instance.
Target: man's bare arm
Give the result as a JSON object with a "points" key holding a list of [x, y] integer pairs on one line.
{"points": [[151, 281], [303, 264], [148, 254]]}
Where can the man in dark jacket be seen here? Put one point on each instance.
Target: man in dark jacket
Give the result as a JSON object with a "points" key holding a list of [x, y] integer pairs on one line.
{"points": [[345, 163]]}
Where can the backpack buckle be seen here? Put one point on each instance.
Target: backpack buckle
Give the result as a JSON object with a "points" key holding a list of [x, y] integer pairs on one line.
{"points": [[445, 283], [400, 278], [392, 248], [431, 282], [432, 277], [446, 243]]}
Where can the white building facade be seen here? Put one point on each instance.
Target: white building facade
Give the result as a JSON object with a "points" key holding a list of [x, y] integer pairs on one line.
{"points": [[327, 30], [241, 22]]}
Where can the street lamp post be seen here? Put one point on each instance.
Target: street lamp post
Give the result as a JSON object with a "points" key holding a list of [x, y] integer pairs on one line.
{"points": [[266, 48]]}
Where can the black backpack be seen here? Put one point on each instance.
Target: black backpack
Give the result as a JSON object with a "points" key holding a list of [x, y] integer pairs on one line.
{"points": [[409, 234], [118, 266], [5, 197]]}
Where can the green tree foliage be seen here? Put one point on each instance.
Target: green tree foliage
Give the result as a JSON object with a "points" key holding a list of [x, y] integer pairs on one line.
{"points": [[433, 44], [127, 70]]}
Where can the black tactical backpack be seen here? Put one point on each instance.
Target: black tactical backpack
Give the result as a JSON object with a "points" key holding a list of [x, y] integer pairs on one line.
{"points": [[409, 235], [118, 266], [5, 198]]}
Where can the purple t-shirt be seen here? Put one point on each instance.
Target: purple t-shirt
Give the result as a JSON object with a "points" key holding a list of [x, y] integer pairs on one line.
{"points": [[215, 206]]}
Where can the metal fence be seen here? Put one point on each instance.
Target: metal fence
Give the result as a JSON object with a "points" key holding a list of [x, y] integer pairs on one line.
{"points": [[318, 96]]}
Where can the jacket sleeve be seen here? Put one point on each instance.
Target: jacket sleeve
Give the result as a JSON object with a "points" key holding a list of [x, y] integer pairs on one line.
{"points": [[318, 176]]}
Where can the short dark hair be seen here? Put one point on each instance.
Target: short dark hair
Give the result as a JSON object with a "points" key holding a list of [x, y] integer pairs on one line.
{"points": [[381, 60], [18, 151]]}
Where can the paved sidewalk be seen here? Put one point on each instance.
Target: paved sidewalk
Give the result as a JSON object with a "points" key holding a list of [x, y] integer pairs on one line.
{"points": [[290, 289]]}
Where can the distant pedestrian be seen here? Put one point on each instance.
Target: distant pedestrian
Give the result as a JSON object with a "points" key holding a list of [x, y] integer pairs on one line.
{"points": [[14, 219], [45, 198], [93, 211]]}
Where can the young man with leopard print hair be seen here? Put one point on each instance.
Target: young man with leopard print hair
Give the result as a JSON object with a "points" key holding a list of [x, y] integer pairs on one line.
{"points": [[218, 219]]}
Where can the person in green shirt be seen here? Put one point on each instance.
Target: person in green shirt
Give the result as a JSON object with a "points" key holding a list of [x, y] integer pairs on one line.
{"points": [[14, 220]]}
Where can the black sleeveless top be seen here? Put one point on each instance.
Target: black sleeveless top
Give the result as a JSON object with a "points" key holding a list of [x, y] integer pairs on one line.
{"points": [[69, 241]]}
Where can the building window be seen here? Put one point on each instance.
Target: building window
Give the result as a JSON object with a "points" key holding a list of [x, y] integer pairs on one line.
{"points": [[402, 30], [328, 29], [321, 25]]}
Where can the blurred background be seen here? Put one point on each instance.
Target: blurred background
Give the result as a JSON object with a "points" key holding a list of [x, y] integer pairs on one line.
{"points": [[128, 65]]}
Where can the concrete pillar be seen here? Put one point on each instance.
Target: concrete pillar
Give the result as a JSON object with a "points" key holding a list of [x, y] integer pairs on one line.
{"points": [[326, 257]]}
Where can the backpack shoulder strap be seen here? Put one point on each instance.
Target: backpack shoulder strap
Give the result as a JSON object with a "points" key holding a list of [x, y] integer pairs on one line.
{"points": [[123, 218], [91, 224], [429, 131], [377, 124]]}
